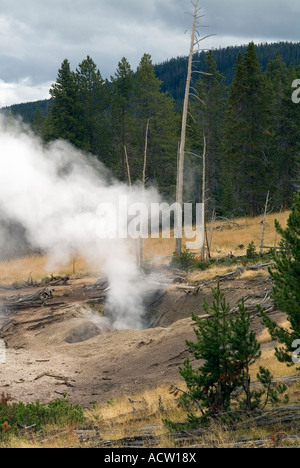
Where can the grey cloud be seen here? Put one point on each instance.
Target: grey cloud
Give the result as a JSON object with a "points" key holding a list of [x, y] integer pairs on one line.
{"points": [[35, 35], [266, 19], [47, 32]]}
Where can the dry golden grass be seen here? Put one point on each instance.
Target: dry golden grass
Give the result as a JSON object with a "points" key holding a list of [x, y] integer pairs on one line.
{"points": [[211, 273], [269, 361], [52, 437], [36, 268], [131, 415], [120, 418], [214, 271], [265, 337], [254, 274], [126, 416], [227, 237]]}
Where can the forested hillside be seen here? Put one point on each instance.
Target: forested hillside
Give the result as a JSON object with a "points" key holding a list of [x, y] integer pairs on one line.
{"points": [[28, 110], [173, 72], [242, 105]]}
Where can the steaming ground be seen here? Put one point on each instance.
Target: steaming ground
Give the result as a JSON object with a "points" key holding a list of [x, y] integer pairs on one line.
{"points": [[72, 348], [64, 202]]}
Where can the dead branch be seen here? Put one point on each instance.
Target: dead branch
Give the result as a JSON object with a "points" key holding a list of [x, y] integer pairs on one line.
{"points": [[128, 167], [37, 299]]}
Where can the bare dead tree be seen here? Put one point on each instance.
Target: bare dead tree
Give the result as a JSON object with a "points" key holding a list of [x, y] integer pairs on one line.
{"points": [[140, 241], [179, 191], [196, 39], [130, 186], [204, 195], [213, 220], [276, 233], [128, 168], [264, 224], [145, 154]]}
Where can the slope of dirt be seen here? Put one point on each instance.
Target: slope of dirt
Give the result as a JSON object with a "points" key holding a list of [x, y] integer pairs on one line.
{"points": [[177, 303], [67, 346]]}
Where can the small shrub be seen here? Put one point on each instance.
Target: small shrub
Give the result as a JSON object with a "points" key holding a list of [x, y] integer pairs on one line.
{"points": [[184, 261], [204, 265], [251, 250], [111, 403], [147, 267], [14, 416]]}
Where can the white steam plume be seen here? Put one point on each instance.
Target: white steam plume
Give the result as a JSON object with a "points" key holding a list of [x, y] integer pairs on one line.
{"points": [[54, 191]]}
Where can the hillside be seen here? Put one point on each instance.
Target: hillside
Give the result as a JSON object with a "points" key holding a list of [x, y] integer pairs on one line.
{"points": [[28, 110], [172, 73]]}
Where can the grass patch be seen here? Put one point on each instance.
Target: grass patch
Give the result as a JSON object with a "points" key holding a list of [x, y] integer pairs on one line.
{"points": [[187, 261], [16, 416]]}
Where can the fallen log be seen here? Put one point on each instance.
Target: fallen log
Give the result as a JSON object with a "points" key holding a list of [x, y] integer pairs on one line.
{"points": [[267, 442], [189, 289], [37, 299], [233, 274], [260, 267], [61, 380], [58, 281], [101, 285]]}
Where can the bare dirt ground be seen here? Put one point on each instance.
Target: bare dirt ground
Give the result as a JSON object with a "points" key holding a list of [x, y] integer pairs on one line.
{"points": [[65, 347]]}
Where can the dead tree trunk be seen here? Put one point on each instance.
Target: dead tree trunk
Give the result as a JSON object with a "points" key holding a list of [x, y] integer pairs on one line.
{"points": [[141, 244], [276, 233], [204, 198], [128, 168], [213, 219], [264, 225], [179, 191], [130, 186]]}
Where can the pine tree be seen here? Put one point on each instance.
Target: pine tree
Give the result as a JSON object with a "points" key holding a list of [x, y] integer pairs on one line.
{"points": [[64, 116], [285, 133], [207, 385], [38, 123], [245, 350], [247, 134], [207, 120], [121, 113], [150, 104], [93, 99], [286, 291], [276, 75], [228, 348], [289, 141]]}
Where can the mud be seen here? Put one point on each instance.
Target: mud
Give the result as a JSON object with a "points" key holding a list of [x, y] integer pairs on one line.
{"points": [[71, 348]]}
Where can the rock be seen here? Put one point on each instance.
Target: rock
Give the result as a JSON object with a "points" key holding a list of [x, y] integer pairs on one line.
{"points": [[83, 332]]}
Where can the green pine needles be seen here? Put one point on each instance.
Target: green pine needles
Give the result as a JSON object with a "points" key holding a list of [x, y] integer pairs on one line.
{"points": [[286, 290], [226, 348]]}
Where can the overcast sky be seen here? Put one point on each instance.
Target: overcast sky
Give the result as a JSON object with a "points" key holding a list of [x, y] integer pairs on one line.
{"points": [[37, 35]]}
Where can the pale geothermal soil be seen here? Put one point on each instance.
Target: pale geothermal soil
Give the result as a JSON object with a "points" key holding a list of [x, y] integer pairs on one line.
{"points": [[43, 361]]}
